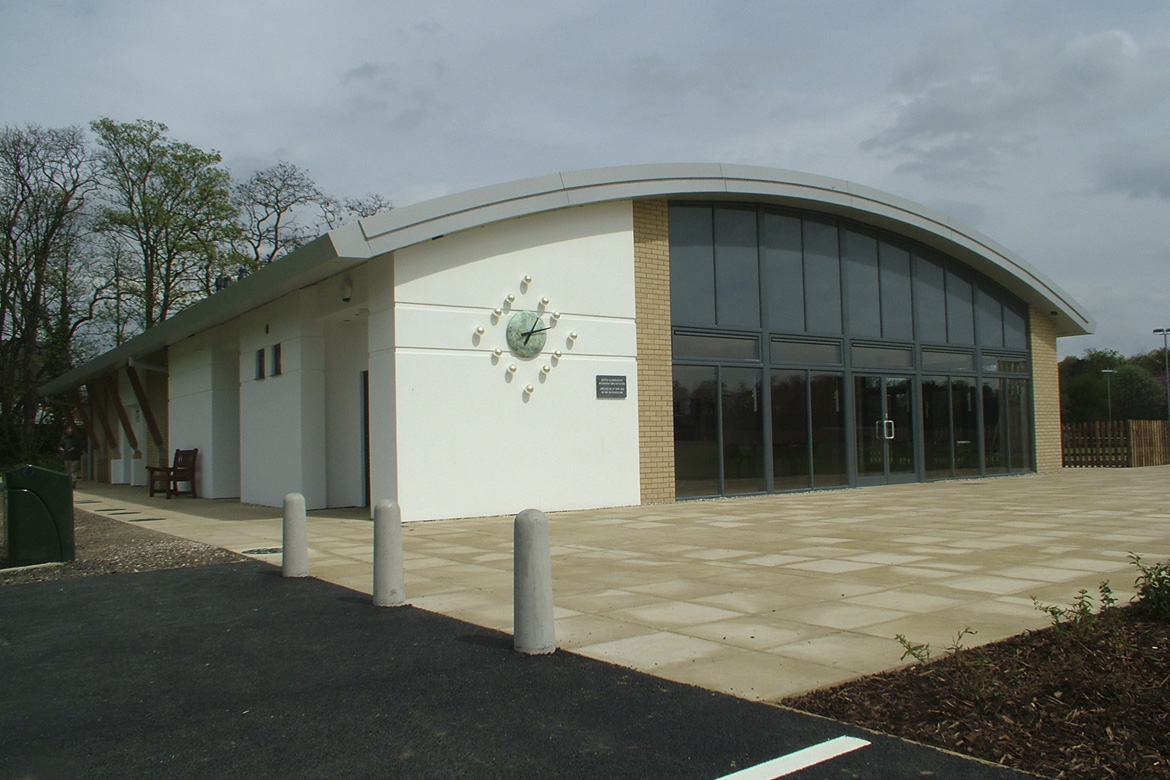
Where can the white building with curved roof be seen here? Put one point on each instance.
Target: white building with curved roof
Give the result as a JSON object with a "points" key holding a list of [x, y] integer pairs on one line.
{"points": [[600, 338]]}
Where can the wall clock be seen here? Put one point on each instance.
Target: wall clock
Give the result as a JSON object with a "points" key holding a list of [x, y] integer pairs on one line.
{"points": [[522, 333]]}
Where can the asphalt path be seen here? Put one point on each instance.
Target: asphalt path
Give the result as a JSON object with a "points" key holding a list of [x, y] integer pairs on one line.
{"points": [[232, 671]]}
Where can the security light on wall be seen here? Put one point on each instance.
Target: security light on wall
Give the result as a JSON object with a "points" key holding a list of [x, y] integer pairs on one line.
{"points": [[346, 289]]}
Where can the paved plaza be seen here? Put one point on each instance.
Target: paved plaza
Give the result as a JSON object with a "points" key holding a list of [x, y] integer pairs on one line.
{"points": [[759, 597]]}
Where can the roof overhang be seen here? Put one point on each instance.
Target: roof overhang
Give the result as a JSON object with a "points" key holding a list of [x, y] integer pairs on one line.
{"points": [[351, 245]]}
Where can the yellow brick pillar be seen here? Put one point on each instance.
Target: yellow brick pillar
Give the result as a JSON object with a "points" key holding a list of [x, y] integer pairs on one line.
{"points": [[655, 381], [1045, 393]]}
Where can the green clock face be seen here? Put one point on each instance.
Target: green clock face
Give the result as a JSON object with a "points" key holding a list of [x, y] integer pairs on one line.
{"points": [[527, 333]]}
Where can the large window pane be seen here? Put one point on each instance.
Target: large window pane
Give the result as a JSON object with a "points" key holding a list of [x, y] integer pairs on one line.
{"points": [[1015, 325], [883, 357], [1019, 426], [994, 427], [827, 396], [737, 269], [942, 360], [793, 351], [930, 300], [989, 319], [691, 345], [965, 414], [869, 419], [696, 431], [743, 430], [790, 467], [936, 428], [897, 321], [784, 269], [860, 263], [960, 310], [692, 266], [822, 277]]}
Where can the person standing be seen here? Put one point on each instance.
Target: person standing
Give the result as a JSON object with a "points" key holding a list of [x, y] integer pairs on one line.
{"points": [[70, 448]]}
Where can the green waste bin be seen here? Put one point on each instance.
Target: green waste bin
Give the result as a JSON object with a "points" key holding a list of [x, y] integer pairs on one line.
{"points": [[38, 515]]}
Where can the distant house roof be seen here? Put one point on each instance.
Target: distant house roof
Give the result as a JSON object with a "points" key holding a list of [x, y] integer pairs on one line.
{"points": [[354, 244]]}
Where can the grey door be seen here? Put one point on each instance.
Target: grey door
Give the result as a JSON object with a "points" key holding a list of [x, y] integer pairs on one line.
{"points": [[884, 429]]}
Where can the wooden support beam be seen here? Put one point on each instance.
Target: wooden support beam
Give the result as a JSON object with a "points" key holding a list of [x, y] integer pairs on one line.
{"points": [[102, 414], [86, 423], [144, 404], [116, 398]]}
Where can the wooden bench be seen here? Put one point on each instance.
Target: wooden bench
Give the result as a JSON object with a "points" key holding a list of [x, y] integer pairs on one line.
{"points": [[168, 477]]}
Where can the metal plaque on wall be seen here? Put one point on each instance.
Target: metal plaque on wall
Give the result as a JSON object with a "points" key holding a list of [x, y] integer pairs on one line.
{"points": [[610, 386]]}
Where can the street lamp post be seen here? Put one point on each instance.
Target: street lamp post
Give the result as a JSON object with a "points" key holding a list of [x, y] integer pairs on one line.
{"points": [[1109, 372], [1166, 362]]}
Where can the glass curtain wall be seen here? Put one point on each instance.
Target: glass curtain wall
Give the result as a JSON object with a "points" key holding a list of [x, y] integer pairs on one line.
{"points": [[815, 352]]}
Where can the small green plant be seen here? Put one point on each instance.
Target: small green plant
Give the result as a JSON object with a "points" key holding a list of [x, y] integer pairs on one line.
{"points": [[1081, 620], [956, 645], [919, 652], [1153, 588]]}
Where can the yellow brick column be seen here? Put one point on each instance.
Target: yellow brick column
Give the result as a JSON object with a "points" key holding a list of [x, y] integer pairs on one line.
{"points": [[1045, 393], [655, 381]]}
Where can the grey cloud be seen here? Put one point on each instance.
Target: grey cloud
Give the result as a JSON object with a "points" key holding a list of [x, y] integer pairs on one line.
{"points": [[1137, 170], [365, 72], [960, 110]]}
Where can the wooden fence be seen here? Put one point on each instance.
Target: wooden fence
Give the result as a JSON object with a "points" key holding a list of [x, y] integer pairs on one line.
{"points": [[1121, 444]]}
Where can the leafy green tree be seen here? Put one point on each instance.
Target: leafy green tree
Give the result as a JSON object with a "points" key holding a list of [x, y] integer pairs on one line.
{"points": [[1085, 392], [168, 205]]}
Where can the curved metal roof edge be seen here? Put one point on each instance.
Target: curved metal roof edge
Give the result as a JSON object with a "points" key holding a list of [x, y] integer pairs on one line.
{"points": [[474, 208], [353, 244]]}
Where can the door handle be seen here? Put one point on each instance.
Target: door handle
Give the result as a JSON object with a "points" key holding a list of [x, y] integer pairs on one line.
{"points": [[889, 430]]}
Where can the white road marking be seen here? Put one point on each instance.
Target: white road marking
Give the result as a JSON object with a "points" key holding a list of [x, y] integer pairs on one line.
{"points": [[801, 759]]}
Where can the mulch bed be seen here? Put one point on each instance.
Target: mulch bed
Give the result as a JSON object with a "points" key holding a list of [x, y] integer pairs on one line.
{"points": [[1069, 701]]}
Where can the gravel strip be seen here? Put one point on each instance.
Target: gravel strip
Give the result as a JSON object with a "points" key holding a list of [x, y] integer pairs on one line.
{"points": [[106, 546]]}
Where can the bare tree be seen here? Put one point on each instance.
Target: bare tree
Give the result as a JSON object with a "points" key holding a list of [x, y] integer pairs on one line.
{"points": [[268, 202], [335, 213], [45, 177]]}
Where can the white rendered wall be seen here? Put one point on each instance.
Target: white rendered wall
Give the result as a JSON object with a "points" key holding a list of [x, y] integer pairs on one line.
{"points": [[383, 424], [282, 419], [470, 440], [346, 357], [204, 409], [130, 467]]}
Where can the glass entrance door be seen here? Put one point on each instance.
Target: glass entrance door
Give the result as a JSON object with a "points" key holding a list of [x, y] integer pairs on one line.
{"points": [[884, 420]]}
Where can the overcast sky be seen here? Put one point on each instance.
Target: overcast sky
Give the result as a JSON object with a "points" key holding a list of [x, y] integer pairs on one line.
{"points": [[1044, 125]]}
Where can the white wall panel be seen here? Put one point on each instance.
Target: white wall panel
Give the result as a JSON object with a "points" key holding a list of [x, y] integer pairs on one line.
{"points": [[471, 441], [473, 445]]}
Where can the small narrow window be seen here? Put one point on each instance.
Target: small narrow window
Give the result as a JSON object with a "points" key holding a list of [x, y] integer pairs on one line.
{"points": [[276, 371], [260, 364]]}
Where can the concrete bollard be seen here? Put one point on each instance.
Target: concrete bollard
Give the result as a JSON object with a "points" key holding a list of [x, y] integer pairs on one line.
{"points": [[533, 628], [389, 575], [294, 558]]}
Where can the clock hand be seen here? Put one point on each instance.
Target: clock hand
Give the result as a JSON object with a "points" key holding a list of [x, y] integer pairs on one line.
{"points": [[533, 329]]}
